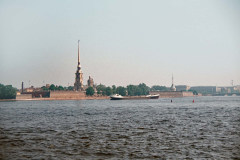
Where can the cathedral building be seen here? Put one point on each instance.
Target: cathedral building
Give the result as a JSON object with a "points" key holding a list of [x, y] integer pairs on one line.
{"points": [[90, 82], [78, 85]]}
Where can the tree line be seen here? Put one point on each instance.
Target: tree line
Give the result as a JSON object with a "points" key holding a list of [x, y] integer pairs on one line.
{"points": [[57, 88], [131, 90], [7, 92]]}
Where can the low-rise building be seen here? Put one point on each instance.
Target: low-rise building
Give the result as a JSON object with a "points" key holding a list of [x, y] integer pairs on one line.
{"points": [[206, 89]]}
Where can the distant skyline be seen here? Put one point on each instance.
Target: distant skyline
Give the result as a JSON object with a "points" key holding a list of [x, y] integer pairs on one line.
{"points": [[121, 42]]}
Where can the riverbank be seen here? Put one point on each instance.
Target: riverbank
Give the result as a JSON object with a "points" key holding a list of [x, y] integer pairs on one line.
{"points": [[52, 99]]}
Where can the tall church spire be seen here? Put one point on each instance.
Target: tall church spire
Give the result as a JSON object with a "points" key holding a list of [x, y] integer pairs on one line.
{"points": [[78, 53], [78, 85]]}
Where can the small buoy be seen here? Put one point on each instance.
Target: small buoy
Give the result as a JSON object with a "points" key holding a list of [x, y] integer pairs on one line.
{"points": [[171, 101], [193, 101]]}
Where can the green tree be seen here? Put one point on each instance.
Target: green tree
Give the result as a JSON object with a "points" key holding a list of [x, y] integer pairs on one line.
{"points": [[52, 87], [143, 88], [114, 89], [137, 90], [90, 91], [121, 90], [132, 90], [101, 89], [159, 88], [109, 91], [60, 88], [70, 88], [7, 92], [44, 88]]}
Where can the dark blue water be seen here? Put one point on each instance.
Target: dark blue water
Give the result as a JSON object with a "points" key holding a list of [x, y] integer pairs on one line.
{"points": [[126, 129]]}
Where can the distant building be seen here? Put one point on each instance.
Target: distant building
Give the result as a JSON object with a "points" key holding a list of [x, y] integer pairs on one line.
{"points": [[78, 85], [206, 89], [182, 88], [232, 89], [238, 88], [31, 89]]}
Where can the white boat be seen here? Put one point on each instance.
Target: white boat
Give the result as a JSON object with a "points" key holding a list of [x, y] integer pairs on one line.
{"points": [[119, 97], [154, 96], [116, 97]]}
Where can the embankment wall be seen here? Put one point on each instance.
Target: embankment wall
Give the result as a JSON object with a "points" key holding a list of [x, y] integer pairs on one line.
{"points": [[187, 94], [163, 94], [23, 96], [67, 95]]}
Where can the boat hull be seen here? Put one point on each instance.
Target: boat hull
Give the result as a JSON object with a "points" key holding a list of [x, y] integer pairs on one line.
{"points": [[116, 98], [154, 97], [135, 97]]}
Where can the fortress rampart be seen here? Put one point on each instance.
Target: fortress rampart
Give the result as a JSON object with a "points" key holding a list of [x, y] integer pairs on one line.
{"points": [[67, 94], [60, 95], [23, 96], [167, 94]]}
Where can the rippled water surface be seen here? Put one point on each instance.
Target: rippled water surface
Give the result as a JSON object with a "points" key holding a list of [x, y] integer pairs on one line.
{"points": [[127, 129]]}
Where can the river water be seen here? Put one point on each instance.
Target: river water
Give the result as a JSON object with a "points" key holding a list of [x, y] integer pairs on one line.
{"points": [[126, 129]]}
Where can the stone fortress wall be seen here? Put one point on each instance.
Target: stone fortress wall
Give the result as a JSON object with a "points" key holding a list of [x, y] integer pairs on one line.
{"points": [[23, 96], [61, 95], [167, 94], [187, 94], [67, 94]]}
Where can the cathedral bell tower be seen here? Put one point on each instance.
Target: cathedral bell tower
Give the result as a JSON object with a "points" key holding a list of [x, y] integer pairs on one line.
{"points": [[78, 85]]}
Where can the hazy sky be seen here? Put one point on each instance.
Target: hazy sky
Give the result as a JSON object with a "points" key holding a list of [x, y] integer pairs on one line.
{"points": [[122, 42]]}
